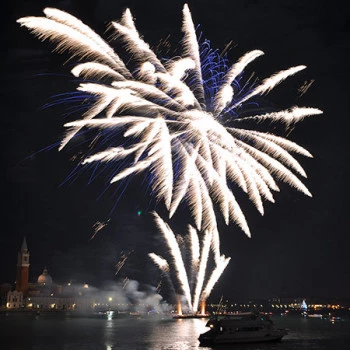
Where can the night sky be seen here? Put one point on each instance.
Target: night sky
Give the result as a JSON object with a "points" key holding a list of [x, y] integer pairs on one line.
{"points": [[300, 247]]}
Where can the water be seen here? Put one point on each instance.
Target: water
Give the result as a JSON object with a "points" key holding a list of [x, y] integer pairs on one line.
{"points": [[28, 331]]}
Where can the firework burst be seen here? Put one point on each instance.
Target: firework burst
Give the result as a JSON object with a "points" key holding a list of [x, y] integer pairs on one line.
{"points": [[179, 119], [196, 281]]}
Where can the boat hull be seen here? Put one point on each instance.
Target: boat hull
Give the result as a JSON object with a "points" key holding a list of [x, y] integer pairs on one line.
{"points": [[209, 341]]}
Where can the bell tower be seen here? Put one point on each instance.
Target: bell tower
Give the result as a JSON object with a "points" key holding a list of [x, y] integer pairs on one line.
{"points": [[22, 269]]}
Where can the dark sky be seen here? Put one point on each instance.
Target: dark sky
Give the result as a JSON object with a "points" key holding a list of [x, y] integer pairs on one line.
{"points": [[299, 247]]}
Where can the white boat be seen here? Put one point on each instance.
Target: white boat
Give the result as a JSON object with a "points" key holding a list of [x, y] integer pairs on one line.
{"points": [[247, 327], [314, 315]]}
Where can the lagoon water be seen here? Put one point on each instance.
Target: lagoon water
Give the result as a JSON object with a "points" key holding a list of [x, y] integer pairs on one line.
{"points": [[51, 331]]}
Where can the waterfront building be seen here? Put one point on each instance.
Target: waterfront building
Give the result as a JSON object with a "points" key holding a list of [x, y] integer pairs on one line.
{"points": [[44, 293], [15, 298], [22, 269]]}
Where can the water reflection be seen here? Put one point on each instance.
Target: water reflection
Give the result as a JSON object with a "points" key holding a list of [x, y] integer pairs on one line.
{"points": [[180, 333], [56, 332], [151, 333]]}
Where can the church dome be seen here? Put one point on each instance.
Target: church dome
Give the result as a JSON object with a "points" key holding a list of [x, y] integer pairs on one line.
{"points": [[45, 278]]}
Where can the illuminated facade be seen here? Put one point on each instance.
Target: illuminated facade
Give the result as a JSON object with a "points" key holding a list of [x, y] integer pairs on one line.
{"points": [[14, 300], [44, 293]]}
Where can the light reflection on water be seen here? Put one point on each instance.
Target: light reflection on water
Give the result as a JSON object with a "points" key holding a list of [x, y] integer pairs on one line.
{"points": [[58, 332], [153, 334]]}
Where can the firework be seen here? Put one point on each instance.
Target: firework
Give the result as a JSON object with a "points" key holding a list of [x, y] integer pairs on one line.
{"points": [[199, 254], [179, 119]]}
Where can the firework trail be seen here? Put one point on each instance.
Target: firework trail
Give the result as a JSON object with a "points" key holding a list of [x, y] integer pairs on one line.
{"points": [[160, 262], [215, 275], [121, 262], [303, 88], [179, 119], [164, 267], [125, 282], [202, 268], [97, 226], [177, 257], [199, 255], [159, 287], [195, 253]]}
